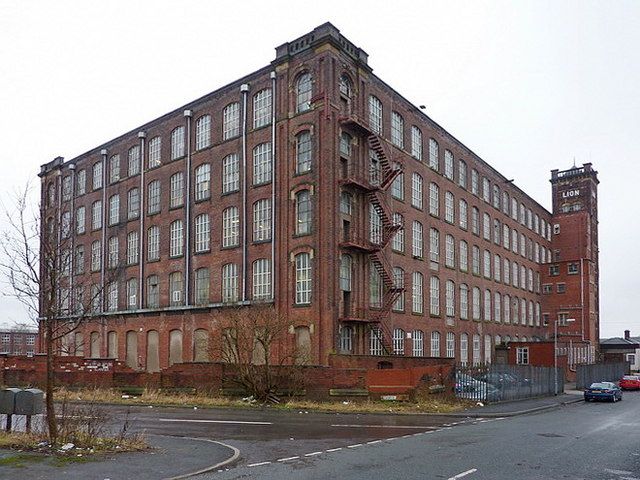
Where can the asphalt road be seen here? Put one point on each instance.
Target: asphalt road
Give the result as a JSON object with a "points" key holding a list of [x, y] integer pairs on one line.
{"points": [[579, 441]]}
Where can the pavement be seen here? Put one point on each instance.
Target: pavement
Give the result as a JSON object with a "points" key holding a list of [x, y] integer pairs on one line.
{"points": [[191, 441]]}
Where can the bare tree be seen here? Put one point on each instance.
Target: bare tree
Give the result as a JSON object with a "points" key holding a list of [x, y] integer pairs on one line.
{"points": [[256, 341], [36, 262]]}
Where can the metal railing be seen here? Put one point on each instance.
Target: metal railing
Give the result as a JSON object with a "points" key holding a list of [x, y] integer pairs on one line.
{"points": [[491, 383]]}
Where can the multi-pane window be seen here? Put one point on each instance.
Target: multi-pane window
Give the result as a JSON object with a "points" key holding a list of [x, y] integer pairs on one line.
{"points": [[505, 236], [462, 173], [114, 209], [304, 91], [514, 273], [346, 265], [132, 293], [487, 305], [375, 287], [231, 121], [416, 190], [434, 245], [112, 297], [375, 225], [451, 345], [375, 341], [375, 168], [132, 247], [497, 307], [203, 182], [96, 255], [230, 173], [416, 142], [435, 344], [304, 152], [79, 260], [153, 291], [497, 266], [450, 300], [230, 283], [474, 181], [505, 203], [346, 339], [486, 226], [133, 203], [476, 349], [262, 108], [113, 248], [496, 197], [418, 343], [464, 302], [96, 214], [133, 161], [345, 144], [433, 154], [475, 260], [434, 290], [507, 309], [475, 294], [486, 264], [303, 212], [417, 297], [448, 207], [97, 176], [398, 282], [66, 188], [153, 243], [65, 221], [262, 279], [475, 221], [114, 168], [80, 220], [153, 197], [397, 241], [464, 348], [463, 214], [177, 143], [203, 132], [397, 187], [345, 87], [176, 238], [176, 190], [230, 227], [397, 129], [434, 199], [262, 163], [449, 251], [496, 231], [398, 341], [464, 256], [417, 239], [202, 232], [448, 164], [486, 190], [202, 286], [155, 148], [81, 182], [262, 220], [176, 281], [514, 241], [375, 114], [303, 278]]}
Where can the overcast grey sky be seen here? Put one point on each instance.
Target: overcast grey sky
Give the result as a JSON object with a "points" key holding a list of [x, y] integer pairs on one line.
{"points": [[527, 85]]}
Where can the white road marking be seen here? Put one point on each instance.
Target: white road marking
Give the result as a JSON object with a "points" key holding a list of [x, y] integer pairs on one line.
{"points": [[287, 459], [463, 474], [415, 427], [373, 442], [355, 445], [258, 464], [333, 449], [392, 438], [238, 422], [618, 472], [312, 454]]}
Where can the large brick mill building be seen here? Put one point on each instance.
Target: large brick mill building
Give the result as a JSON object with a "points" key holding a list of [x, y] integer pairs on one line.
{"points": [[314, 185]]}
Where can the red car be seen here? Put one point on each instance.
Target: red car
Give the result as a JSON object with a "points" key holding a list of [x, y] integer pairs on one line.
{"points": [[630, 382]]}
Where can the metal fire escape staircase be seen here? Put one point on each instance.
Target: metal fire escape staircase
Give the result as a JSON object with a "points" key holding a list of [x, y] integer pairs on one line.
{"points": [[374, 189]]}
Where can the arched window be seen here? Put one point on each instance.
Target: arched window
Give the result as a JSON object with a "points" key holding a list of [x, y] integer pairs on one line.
{"points": [[451, 345], [177, 143], [375, 114], [230, 227], [464, 348], [418, 343], [416, 143], [155, 148], [231, 121], [262, 163], [153, 292], [346, 339], [450, 289], [114, 168], [176, 238], [304, 88], [304, 152], [175, 288], [303, 212], [203, 132], [346, 263], [202, 232], [303, 278], [398, 283], [134, 161], [262, 108], [262, 279], [203, 181], [230, 283], [417, 293], [464, 302], [435, 344], [397, 129], [434, 199], [433, 154], [346, 87], [202, 286], [262, 220], [398, 341]]}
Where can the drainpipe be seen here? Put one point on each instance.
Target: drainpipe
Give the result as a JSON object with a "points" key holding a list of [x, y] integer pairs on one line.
{"points": [[273, 185], [141, 245], [187, 213], [244, 89], [103, 253], [582, 295]]}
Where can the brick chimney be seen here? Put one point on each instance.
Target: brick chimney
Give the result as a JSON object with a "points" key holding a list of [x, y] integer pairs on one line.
{"points": [[627, 334]]}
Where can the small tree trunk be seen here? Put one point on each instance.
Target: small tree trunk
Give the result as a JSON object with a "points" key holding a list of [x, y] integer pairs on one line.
{"points": [[52, 423]]}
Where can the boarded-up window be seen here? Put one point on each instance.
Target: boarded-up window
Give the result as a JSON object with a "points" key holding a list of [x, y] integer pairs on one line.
{"points": [[153, 355], [79, 345], [132, 350], [303, 344], [201, 345], [112, 345], [94, 351], [175, 347]]}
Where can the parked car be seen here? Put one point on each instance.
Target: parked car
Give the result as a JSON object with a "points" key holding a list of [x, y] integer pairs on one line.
{"points": [[630, 382], [503, 380], [603, 391], [471, 388]]}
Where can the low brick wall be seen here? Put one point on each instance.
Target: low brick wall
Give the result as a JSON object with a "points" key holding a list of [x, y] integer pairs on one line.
{"points": [[347, 376]]}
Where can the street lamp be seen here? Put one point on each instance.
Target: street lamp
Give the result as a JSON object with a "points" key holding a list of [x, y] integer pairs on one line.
{"points": [[555, 352]]}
